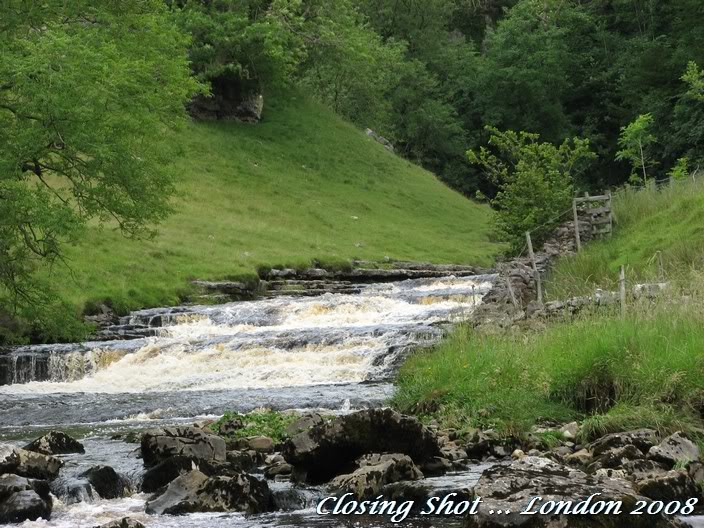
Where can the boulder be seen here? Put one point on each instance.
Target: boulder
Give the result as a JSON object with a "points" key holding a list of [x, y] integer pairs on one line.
{"points": [[616, 457], [513, 487], [673, 449], [302, 424], [23, 499], [231, 425], [374, 472], [643, 439], [579, 458], [28, 463], [107, 482], [643, 469], [156, 477], [196, 492], [260, 444], [125, 522], [158, 445], [329, 448], [570, 431], [56, 443], [673, 485]]}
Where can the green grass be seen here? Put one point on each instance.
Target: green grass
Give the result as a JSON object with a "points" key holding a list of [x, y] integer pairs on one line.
{"points": [[258, 423], [301, 185], [614, 374], [669, 220]]}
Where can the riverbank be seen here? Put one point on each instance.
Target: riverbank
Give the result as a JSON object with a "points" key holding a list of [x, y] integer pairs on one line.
{"points": [[610, 373], [376, 467]]}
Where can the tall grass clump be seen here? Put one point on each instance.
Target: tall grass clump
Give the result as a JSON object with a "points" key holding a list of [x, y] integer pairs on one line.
{"points": [[645, 370], [669, 219]]}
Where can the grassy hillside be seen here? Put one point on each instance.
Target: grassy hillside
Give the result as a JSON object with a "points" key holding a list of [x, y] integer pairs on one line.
{"points": [[302, 184], [669, 219]]}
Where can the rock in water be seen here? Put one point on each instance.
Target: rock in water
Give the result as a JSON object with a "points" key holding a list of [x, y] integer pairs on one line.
{"points": [[375, 471], [107, 482], [28, 463], [192, 442], [675, 448], [328, 448], [125, 522], [513, 487], [195, 492], [56, 443], [23, 499]]}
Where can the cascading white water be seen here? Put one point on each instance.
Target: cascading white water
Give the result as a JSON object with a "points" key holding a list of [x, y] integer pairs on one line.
{"points": [[282, 342]]}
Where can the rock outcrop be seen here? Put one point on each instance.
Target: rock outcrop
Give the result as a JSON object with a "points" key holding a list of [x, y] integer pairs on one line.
{"points": [[513, 487], [158, 445], [196, 492], [374, 472], [107, 482], [55, 443], [28, 464], [673, 449], [331, 448], [23, 499]]}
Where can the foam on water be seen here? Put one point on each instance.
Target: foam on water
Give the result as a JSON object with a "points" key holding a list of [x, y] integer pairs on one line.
{"points": [[283, 342]]}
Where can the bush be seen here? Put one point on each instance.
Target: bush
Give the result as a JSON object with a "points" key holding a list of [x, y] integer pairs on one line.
{"points": [[535, 181]]}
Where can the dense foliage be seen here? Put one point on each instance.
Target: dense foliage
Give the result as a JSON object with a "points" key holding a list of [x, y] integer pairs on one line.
{"points": [[90, 90], [88, 94], [430, 76], [535, 181]]}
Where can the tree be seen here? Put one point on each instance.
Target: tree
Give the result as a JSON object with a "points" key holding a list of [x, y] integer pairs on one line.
{"points": [[241, 47], [634, 142], [694, 77], [89, 94], [535, 181]]}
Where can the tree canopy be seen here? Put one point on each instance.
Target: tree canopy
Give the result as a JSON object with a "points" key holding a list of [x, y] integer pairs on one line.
{"points": [[88, 95]]}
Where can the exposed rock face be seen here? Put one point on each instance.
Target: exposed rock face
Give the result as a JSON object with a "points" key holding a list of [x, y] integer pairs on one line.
{"points": [[512, 487], [374, 472], [28, 463], [23, 499], [55, 443], [331, 448], [379, 139], [673, 449], [196, 492], [158, 445], [107, 482], [125, 522]]}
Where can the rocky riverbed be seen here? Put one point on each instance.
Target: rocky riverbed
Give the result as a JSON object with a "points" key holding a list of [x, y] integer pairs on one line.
{"points": [[375, 465]]}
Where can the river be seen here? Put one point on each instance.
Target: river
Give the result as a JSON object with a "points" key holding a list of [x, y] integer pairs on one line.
{"points": [[334, 351]]}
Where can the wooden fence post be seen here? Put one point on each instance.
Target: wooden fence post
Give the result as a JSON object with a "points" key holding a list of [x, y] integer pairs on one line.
{"points": [[538, 281], [576, 225], [611, 213], [622, 290]]}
